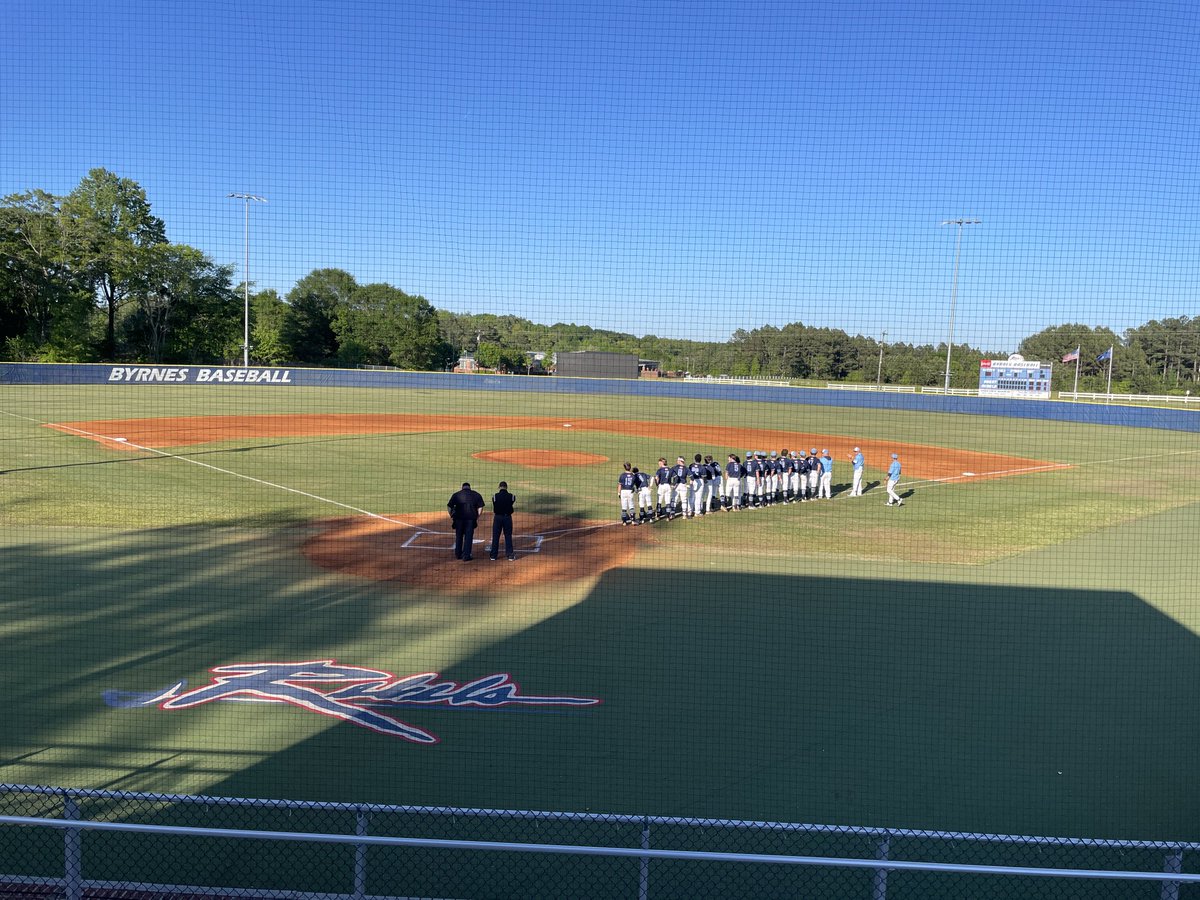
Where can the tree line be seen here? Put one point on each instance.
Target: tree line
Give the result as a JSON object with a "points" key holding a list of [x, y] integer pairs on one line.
{"points": [[91, 276]]}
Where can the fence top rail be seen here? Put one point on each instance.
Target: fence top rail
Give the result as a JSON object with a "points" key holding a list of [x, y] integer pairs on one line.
{"points": [[603, 818]]}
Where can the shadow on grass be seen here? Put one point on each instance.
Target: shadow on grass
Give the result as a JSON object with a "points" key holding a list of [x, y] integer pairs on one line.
{"points": [[960, 707]]}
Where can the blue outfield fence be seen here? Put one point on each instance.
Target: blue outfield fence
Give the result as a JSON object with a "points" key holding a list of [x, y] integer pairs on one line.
{"points": [[1088, 414], [115, 843]]}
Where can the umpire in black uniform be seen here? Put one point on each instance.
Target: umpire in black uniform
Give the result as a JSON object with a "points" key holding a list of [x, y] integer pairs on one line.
{"points": [[502, 513], [464, 509]]}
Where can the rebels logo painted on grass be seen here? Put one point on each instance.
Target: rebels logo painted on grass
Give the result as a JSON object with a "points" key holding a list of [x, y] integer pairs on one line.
{"points": [[313, 685]]}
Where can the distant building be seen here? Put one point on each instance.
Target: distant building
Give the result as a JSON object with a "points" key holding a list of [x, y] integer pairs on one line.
{"points": [[649, 368], [467, 365], [595, 364]]}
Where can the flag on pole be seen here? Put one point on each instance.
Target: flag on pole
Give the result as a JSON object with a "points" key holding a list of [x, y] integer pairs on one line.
{"points": [[1072, 356], [1107, 354]]}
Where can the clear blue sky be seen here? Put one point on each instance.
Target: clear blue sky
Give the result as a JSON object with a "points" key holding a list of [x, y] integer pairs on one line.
{"points": [[676, 168]]}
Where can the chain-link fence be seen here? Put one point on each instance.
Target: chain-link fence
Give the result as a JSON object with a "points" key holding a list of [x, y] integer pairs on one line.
{"points": [[85, 843]]}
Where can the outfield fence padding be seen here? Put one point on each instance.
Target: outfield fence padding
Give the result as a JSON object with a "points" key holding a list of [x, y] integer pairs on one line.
{"points": [[124, 375]]}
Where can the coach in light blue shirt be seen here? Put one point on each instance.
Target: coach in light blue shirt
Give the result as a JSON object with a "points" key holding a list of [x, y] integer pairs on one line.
{"points": [[892, 480], [856, 488]]}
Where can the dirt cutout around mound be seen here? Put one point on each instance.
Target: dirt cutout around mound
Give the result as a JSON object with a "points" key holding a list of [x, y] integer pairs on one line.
{"points": [[417, 550], [541, 459], [921, 461]]}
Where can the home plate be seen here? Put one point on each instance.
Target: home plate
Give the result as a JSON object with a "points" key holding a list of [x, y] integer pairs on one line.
{"points": [[968, 474], [566, 424]]}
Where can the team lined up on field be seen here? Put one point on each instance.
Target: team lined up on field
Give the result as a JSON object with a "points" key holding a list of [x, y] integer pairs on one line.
{"points": [[704, 485]]}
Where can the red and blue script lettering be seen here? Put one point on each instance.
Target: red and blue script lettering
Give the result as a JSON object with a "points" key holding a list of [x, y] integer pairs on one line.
{"points": [[350, 693]]}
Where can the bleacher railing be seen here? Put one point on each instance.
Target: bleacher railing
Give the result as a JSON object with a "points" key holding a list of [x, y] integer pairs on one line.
{"points": [[93, 843]]}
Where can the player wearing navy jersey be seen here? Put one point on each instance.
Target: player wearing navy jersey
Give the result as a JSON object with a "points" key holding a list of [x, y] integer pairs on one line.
{"points": [[696, 472], [712, 481], [785, 476], [748, 478], [662, 481], [733, 483], [645, 505], [814, 474], [679, 481], [625, 486], [797, 478], [754, 480]]}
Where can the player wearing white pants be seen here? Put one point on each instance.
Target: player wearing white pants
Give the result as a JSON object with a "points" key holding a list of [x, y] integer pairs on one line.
{"points": [[626, 482], [644, 502], [679, 477], [662, 480], [733, 483], [748, 472], [814, 475], [856, 460], [798, 479], [893, 478]]}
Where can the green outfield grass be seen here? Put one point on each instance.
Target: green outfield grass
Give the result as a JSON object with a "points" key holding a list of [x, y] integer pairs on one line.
{"points": [[1011, 655]]}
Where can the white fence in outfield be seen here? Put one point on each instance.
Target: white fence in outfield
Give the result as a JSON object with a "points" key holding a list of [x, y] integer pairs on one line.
{"points": [[883, 388], [120, 842], [1185, 399], [765, 381]]}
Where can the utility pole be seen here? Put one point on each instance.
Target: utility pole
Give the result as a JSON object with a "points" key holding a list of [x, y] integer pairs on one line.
{"points": [[954, 289], [879, 371]]}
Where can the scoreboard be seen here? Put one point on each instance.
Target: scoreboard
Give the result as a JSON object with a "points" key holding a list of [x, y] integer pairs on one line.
{"points": [[1014, 377]]}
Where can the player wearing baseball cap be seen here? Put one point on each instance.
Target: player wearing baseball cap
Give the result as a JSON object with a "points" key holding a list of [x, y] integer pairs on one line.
{"points": [[856, 460], [893, 478], [662, 481], [814, 474]]}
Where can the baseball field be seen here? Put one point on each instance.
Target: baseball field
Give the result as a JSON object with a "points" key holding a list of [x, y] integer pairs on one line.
{"points": [[250, 591]]}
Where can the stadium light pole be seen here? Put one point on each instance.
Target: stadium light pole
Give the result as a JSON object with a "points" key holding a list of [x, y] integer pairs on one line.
{"points": [[954, 289], [246, 274]]}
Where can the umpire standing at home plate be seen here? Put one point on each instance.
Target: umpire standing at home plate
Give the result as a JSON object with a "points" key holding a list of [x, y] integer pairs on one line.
{"points": [[464, 509], [502, 513]]}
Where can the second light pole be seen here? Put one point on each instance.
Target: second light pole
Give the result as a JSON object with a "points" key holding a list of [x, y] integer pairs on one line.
{"points": [[954, 288]]}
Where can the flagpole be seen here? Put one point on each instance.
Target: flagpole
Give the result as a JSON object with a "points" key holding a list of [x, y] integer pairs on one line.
{"points": [[1076, 389], [1110, 357]]}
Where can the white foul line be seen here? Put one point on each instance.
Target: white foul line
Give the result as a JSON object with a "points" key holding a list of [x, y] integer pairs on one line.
{"points": [[196, 462]]}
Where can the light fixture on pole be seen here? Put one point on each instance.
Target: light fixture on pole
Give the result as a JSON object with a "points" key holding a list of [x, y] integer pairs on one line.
{"points": [[879, 371], [954, 289], [246, 275]]}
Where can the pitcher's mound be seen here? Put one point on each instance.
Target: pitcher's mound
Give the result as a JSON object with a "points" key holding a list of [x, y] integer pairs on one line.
{"points": [[541, 459], [417, 550]]}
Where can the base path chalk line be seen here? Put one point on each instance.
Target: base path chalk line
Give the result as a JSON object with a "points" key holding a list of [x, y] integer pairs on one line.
{"points": [[204, 465]]}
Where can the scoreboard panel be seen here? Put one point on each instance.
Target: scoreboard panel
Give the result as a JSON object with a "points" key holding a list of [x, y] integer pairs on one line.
{"points": [[1014, 377]]}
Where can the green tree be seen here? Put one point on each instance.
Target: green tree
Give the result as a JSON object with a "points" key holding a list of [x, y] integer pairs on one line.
{"points": [[184, 308], [44, 311], [314, 302], [268, 313], [109, 231], [383, 325]]}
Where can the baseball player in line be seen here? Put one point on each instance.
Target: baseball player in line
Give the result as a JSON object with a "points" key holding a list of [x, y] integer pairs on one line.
{"points": [[662, 479], [626, 483], [733, 483], [856, 460], [826, 475]]}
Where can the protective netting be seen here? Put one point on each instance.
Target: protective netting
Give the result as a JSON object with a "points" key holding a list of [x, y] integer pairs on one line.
{"points": [[840, 363]]}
